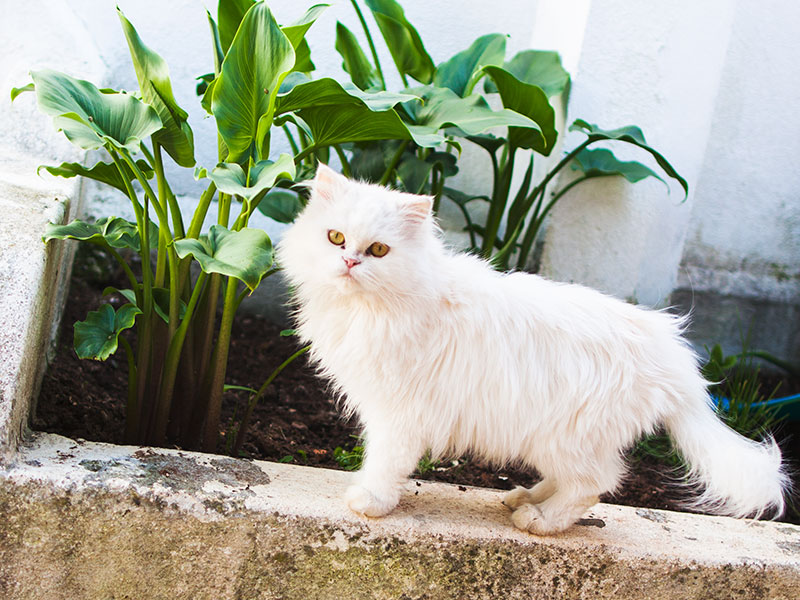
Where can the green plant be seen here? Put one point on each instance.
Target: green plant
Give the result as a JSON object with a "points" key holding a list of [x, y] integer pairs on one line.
{"points": [[427, 464], [350, 460], [738, 392], [176, 371], [451, 104]]}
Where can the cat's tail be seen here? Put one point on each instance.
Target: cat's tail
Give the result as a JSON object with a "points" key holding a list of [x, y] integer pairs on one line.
{"points": [[739, 477]]}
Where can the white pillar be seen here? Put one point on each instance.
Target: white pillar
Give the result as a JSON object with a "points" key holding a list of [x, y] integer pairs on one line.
{"points": [[656, 65]]}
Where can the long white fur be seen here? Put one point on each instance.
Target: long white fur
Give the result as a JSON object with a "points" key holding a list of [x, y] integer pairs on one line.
{"points": [[436, 350]]}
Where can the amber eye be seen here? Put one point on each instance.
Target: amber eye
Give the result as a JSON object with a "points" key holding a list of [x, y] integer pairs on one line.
{"points": [[336, 237], [377, 249]]}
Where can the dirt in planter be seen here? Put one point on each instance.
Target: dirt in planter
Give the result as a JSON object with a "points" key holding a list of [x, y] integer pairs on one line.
{"points": [[297, 421]]}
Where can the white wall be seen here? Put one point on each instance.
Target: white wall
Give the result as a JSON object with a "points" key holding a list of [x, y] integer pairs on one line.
{"points": [[713, 85], [744, 233], [656, 66]]}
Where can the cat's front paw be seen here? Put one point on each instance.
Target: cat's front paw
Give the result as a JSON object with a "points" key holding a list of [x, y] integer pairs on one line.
{"points": [[364, 502]]}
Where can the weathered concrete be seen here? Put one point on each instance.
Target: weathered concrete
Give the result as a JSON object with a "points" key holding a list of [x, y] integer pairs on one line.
{"points": [[33, 280], [87, 520]]}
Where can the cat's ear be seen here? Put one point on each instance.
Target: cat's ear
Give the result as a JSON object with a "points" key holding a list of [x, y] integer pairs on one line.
{"points": [[327, 183], [417, 208]]}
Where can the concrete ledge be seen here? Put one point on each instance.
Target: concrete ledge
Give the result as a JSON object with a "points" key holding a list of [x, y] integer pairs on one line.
{"points": [[33, 280], [88, 520]]}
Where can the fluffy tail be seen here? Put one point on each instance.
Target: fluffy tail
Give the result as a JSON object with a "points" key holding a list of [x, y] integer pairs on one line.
{"points": [[739, 477]]}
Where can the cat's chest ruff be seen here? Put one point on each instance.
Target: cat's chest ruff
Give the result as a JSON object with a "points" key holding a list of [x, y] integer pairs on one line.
{"points": [[364, 333]]}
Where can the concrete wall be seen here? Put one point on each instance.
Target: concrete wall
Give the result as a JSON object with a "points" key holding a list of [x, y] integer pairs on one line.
{"points": [[712, 86]]}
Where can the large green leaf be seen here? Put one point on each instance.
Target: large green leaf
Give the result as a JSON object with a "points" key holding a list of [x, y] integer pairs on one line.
{"points": [[531, 101], [601, 162], [245, 254], [219, 55], [327, 125], [355, 62], [156, 89], [332, 114], [296, 33], [537, 67], [472, 115], [631, 135], [231, 178], [229, 16], [98, 336], [281, 205], [464, 69], [307, 93], [405, 44], [101, 171], [302, 58], [91, 118], [111, 231], [243, 99]]}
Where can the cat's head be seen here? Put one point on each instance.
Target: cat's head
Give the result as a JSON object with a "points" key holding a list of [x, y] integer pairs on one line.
{"points": [[359, 238]]}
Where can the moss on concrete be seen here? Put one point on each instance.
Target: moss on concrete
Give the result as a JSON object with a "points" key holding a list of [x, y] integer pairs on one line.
{"points": [[95, 543]]}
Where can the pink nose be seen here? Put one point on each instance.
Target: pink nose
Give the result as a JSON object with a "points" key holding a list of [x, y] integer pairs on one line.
{"points": [[351, 262]]}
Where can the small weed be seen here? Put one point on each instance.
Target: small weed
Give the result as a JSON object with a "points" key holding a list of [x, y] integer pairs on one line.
{"points": [[350, 460], [427, 464]]}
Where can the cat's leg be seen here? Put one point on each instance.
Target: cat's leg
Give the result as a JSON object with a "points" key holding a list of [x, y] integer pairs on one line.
{"points": [[538, 493], [556, 513], [578, 489], [389, 458]]}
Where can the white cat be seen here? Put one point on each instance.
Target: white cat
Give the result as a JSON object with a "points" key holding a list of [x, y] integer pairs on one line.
{"points": [[434, 349]]}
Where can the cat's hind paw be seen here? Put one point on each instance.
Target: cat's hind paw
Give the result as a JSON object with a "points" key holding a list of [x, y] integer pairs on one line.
{"points": [[517, 497], [363, 502], [530, 518]]}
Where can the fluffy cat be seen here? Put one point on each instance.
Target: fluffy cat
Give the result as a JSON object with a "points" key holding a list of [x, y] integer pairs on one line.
{"points": [[434, 349]]}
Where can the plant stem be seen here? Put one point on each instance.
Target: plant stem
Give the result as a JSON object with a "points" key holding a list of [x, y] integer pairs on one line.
{"points": [[437, 185], [346, 171], [304, 154], [224, 209], [174, 209], [170, 368], [371, 43], [499, 202], [387, 175], [162, 216], [240, 435], [128, 273], [539, 217], [145, 328], [132, 411], [290, 137], [219, 364], [200, 212]]}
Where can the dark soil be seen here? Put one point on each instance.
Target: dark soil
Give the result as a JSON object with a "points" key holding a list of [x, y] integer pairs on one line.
{"points": [[297, 420]]}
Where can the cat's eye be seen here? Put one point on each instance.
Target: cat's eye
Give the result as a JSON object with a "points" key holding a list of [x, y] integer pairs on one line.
{"points": [[336, 237], [377, 249]]}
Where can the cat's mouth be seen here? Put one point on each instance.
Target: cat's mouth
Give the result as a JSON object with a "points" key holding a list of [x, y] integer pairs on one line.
{"points": [[347, 277]]}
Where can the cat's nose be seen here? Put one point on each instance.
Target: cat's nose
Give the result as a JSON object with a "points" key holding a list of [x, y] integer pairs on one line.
{"points": [[351, 262]]}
